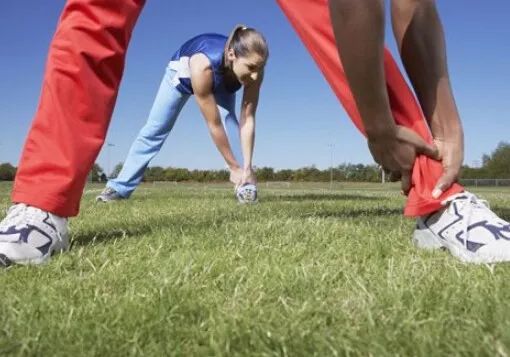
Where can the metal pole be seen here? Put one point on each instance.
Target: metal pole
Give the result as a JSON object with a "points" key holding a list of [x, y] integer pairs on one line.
{"points": [[331, 167], [108, 155]]}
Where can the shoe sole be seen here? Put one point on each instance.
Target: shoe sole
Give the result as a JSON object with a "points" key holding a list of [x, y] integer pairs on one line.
{"points": [[5, 262], [58, 248], [33, 261], [424, 239]]}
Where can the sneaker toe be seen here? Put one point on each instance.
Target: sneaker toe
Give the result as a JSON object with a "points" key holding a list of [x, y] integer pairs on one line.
{"points": [[5, 261], [498, 251], [20, 253]]}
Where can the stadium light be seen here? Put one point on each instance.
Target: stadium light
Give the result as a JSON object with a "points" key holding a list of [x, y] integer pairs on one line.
{"points": [[331, 146], [108, 158]]}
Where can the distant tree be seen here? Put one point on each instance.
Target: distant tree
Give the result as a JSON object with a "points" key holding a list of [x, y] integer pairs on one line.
{"points": [[265, 173], [177, 174], [485, 159], [116, 170], [95, 173], [155, 173], [7, 172], [284, 175], [198, 175], [498, 165], [222, 175]]}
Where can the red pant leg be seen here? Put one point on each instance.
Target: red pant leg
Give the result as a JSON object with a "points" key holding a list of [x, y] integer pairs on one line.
{"points": [[83, 71], [311, 20]]}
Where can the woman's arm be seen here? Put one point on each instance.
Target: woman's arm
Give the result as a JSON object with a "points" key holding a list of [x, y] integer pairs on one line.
{"points": [[247, 127], [202, 84]]}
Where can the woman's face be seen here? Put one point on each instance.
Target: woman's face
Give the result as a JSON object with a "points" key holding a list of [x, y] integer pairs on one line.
{"points": [[248, 68]]}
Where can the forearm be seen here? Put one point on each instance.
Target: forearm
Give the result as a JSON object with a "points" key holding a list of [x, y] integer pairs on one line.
{"points": [[208, 107], [220, 139], [359, 33], [444, 119], [202, 83], [445, 122], [247, 133], [211, 115], [420, 38]]}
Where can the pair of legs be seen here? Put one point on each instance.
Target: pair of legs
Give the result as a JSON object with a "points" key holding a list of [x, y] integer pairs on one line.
{"points": [[456, 220], [83, 73], [165, 110], [81, 84], [311, 20]]}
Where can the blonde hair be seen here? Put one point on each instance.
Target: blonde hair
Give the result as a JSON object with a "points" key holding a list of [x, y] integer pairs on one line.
{"points": [[244, 40]]}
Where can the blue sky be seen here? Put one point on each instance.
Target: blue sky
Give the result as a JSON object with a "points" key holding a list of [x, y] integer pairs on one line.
{"points": [[298, 117]]}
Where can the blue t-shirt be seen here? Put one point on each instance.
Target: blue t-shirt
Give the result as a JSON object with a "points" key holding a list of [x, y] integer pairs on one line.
{"points": [[211, 45]]}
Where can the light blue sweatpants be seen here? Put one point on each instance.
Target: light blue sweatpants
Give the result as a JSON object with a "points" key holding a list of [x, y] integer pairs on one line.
{"points": [[165, 110]]}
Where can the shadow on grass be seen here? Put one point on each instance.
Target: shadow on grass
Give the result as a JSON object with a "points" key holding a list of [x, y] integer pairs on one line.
{"points": [[356, 213], [319, 197], [504, 213], [112, 231]]}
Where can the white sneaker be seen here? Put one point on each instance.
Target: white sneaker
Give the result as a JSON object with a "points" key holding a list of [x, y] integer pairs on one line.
{"points": [[467, 228], [246, 194], [109, 195], [29, 235]]}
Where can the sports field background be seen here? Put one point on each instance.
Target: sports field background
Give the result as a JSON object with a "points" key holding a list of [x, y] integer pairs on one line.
{"points": [[182, 269]]}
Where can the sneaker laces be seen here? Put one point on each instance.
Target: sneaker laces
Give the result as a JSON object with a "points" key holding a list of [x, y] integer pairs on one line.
{"points": [[471, 202]]}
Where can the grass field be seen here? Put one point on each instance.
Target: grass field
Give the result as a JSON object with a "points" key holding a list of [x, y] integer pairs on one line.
{"points": [[184, 270]]}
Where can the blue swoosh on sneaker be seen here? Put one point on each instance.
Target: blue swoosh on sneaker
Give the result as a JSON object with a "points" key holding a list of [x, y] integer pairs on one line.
{"points": [[24, 233], [494, 230], [497, 232], [471, 246]]}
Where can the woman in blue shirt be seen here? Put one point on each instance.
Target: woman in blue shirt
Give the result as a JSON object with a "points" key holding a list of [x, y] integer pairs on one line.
{"points": [[213, 68]]}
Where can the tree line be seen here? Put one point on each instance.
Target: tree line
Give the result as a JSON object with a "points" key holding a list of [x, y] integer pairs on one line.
{"points": [[494, 166]]}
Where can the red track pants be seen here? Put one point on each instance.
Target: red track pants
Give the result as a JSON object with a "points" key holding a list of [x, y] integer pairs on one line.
{"points": [[310, 19], [81, 81]]}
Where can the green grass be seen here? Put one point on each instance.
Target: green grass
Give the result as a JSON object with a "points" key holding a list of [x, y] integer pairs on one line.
{"points": [[184, 270]]}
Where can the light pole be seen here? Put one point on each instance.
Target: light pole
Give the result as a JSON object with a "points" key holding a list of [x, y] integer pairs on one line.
{"points": [[331, 167], [108, 157]]}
